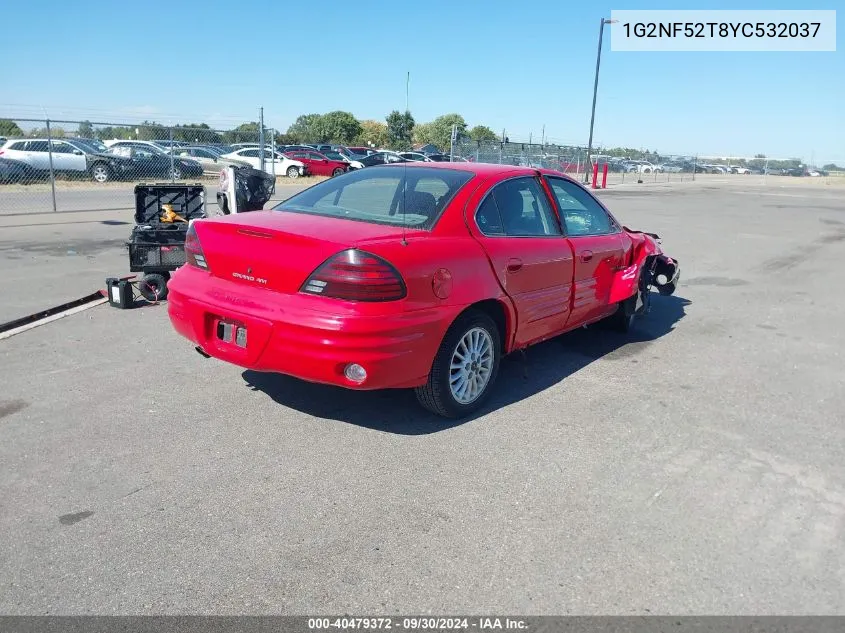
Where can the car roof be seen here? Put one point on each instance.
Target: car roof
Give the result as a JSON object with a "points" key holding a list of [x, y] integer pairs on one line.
{"points": [[484, 169]]}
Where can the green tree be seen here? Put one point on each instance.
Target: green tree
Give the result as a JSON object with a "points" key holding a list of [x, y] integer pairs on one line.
{"points": [[483, 133], [337, 127], [41, 132], [244, 133], [285, 139], [373, 133], [424, 133], [400, 128], [439, 131], [85, 130], [196, 133], [9, 128], [304, 129]]}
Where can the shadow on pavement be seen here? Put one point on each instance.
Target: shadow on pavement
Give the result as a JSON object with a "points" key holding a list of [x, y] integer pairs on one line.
{"points": [[545, 365]]}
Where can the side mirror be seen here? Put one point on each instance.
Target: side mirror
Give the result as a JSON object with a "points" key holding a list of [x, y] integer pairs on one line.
{"points": [[78, 152]]}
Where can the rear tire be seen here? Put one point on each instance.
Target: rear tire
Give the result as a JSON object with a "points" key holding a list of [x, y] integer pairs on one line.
{"points": [[464, 368], [153, 287]]}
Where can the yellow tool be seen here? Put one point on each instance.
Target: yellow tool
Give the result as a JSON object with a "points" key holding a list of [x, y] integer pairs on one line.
{"points": [[170, 215]]}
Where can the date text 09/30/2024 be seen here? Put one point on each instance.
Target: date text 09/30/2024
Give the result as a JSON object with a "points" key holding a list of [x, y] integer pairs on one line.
{"points": [[417, 623]]}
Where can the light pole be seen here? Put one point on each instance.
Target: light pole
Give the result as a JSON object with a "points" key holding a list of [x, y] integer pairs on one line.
{"points": [[595, 91]]}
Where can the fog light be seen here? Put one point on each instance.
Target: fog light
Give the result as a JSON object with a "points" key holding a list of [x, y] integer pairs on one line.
{"points": [[662, 280], [355, 372]]}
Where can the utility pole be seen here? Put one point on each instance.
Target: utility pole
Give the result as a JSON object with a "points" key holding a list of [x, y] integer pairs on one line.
{"points": [[595, 92], [407, 92]]}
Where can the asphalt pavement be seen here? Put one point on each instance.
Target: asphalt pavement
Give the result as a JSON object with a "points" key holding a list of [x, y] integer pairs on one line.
{"points": [[695, 466]]}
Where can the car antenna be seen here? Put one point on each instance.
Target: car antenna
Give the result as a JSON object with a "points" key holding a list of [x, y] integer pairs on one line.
{"points": [[404, 189]]}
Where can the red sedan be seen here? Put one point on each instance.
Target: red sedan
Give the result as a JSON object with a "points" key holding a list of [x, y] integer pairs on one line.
{"points": [[318, 164], [415, 275]]}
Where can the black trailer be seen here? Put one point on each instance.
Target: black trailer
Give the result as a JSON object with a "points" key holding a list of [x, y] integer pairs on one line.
{"points": [[163, 212]]}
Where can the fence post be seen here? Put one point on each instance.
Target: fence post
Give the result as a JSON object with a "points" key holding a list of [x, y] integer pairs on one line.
{"points": [[273, 153], [172, 156], [261, 138], [694, 166], [50, 155]]}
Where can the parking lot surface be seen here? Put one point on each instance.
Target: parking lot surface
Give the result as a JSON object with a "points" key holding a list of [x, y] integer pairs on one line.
{"points": [[696, 466]]}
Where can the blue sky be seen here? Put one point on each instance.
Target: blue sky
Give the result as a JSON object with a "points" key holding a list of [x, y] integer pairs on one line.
{"points": [[512, 65]]}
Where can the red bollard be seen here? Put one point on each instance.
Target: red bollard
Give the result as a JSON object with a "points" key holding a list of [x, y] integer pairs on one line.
{"points": [[604, 177], [595, 176]]}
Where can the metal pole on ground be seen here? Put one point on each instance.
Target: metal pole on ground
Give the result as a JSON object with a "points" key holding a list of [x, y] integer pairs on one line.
{"points": [[595, 92], [50, 154]]}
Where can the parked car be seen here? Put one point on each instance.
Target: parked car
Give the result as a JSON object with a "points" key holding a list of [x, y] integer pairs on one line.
{"points": [[211, 161], [415, 276], [140, 162], [16, 171], [416, 157], [319, 164], [738, 169], [181, 168], [71, 157], [354, 164], [671, 167], [283, 165], [381, 158], [361, 151]]}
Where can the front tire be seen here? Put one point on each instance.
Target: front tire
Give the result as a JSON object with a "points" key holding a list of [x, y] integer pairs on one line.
{"points": [[337, 172], [293, 172], [464, 368], [101, 172]]}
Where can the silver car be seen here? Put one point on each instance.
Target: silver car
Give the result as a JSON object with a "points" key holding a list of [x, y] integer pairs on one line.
{"points": [[210, 159]]}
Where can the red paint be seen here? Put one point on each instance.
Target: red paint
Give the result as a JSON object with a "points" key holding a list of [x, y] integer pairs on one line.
{"points": [[317, 163], [604, 177], [259, 265]]}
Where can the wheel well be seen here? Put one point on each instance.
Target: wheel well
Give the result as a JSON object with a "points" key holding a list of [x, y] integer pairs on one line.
{"points": [[496, 311]]}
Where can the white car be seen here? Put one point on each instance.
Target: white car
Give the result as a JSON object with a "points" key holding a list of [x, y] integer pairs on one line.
{"points": [[736, 169], [283, 164]]}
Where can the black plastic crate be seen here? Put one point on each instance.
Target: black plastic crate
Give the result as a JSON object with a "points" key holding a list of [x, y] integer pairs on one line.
{"points": [[186, 200], [145, 256]]}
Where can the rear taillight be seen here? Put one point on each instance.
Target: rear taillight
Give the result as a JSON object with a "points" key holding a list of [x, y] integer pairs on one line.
{"points": [[193, 249], [354, 275]]}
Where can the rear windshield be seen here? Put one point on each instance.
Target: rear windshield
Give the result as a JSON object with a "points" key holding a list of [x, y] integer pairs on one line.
{"points": [[409, 196]]}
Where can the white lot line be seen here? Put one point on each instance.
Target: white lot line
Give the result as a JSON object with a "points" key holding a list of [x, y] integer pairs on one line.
{"points": [[52, 317]]}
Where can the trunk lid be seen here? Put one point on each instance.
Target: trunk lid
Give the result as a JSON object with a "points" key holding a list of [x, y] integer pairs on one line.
{"points": [[278, 250]]}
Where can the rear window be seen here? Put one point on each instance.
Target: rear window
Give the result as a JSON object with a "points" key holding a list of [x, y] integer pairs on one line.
{"points": [[413, 196]]}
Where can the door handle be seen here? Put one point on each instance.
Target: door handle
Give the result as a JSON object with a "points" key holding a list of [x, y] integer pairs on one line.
{"points": [[514, 265], [586, 256]]}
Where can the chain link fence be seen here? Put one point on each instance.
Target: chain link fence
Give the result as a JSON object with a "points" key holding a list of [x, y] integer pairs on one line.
{"points": [[79, 165], [59, 165], [638, 167]]}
